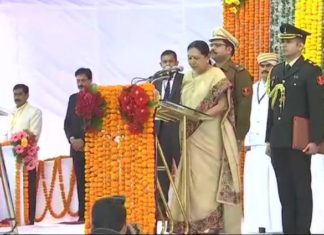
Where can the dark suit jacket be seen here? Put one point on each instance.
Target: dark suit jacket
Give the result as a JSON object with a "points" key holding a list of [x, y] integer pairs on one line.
{"points": [[168, 133], [73, 125], [304, 98]]}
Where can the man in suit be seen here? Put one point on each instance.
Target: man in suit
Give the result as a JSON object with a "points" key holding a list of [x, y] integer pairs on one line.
{"points": [[223, 45], [27, 117], [75, 133], [262, 208], [168, 132], [300, 92]]}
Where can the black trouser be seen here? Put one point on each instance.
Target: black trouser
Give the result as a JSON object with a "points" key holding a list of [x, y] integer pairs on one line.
{"points": [[170, 146], [292, 169], [32, 175], [79, 168]]}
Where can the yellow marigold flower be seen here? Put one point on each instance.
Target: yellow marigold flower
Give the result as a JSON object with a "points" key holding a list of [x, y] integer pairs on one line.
{"points": [[308, 16], [24, 142], [233, 10]]}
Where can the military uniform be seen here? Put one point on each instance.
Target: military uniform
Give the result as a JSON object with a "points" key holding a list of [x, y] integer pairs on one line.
{"points": [[304, 97], [242, 95], [242, 86]]}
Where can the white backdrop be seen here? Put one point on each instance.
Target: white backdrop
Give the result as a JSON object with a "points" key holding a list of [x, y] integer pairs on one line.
{"points": [[43, 42]]}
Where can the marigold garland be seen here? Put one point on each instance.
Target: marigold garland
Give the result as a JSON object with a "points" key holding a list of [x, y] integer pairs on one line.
{"points": [[233, 5], [41, 177], [309, 17], [130, 159], [17, 192], [251, 26], [26, 195], [66, 201]]}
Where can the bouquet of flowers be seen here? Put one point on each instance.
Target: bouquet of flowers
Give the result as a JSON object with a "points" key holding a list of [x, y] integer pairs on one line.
{"points": [[25, 148], [91, 106], [134, 107]]}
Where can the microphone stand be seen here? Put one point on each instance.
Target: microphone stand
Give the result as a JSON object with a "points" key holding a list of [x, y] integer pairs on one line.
{"points": [[151, 79]]}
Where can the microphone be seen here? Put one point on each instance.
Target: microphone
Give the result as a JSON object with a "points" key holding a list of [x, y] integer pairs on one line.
{"points": [[168, 71]]}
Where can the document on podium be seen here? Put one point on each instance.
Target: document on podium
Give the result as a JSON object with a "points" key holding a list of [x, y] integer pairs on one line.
{"points": [[178, 111]]}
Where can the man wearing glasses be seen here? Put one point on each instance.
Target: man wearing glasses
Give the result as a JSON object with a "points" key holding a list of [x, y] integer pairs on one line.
{"points": [[223, 46]]}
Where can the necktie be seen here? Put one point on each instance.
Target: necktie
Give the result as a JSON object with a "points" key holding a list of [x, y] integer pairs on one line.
{"points": [[287, 68], [167, 90]]}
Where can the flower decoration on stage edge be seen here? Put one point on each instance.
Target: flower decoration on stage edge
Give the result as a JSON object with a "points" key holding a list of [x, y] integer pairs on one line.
{"points": [[91, 107], [135, 107], [25, 148]]}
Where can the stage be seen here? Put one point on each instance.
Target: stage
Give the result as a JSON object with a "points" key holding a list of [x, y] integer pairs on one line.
{"points": [[48, 228], [53, 228]]}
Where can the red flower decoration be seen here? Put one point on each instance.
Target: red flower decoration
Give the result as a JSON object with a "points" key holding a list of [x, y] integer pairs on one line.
{"points": [[134, 107], [90, 106]]}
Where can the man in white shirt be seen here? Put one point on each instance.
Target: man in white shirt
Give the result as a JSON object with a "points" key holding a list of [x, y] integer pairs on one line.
{"points": [[262, 208], [27, 117]]}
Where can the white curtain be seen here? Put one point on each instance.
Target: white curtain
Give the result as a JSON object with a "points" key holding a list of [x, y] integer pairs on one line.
{"points": [[43, 42]]}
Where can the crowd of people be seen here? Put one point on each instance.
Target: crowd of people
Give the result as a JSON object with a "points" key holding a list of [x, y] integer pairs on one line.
{"points": [[258, 117]]}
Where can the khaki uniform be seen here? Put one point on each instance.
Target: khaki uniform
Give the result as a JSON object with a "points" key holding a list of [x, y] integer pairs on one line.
{"points": [[242, 95]]}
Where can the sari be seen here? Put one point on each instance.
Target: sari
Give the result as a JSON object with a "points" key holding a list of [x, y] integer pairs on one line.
{"points": [[212, 160]]}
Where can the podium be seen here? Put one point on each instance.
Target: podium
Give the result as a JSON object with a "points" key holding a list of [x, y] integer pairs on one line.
{"points": [[171, 112], [7, 185]]}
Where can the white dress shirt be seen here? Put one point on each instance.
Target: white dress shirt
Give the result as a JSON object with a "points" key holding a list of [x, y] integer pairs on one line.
{"points": [[164, 85], [259, 115], [291, 63], [27, 117]]}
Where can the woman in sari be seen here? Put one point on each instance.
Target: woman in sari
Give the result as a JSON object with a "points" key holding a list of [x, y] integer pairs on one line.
{"points": [[211, 191]]}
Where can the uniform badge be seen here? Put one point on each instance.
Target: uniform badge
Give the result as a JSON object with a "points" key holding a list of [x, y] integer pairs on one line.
{"points": [[247, 91], [320, 80]]}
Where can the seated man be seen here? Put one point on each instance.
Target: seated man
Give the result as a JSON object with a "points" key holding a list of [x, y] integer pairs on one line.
{"points": [[109, 217]]}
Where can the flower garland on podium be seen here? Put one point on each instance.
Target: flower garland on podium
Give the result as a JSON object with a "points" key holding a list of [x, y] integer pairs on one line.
{"points": [[120, 158], [91, 107], [135, 107], [26, 152]]}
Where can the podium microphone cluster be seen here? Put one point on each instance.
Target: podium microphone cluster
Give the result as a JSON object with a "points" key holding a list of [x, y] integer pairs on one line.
{"points": [[165, 73], [159, 75], [168, 71]]}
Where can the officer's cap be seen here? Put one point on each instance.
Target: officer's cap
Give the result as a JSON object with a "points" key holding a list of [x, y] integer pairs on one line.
{"points": [[221, 33], [289, 31]]}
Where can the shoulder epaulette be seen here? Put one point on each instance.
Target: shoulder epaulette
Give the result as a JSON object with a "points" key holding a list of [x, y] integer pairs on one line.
{"points": [[238, 67], [310, 62]]}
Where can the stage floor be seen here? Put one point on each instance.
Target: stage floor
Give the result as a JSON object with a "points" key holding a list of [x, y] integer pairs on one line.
{"points": [[42, 228], [50, 228]]}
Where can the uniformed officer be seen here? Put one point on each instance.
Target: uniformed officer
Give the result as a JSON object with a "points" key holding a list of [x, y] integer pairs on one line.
{"points": [[296, 89], [262, 207], [223, 46]]}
